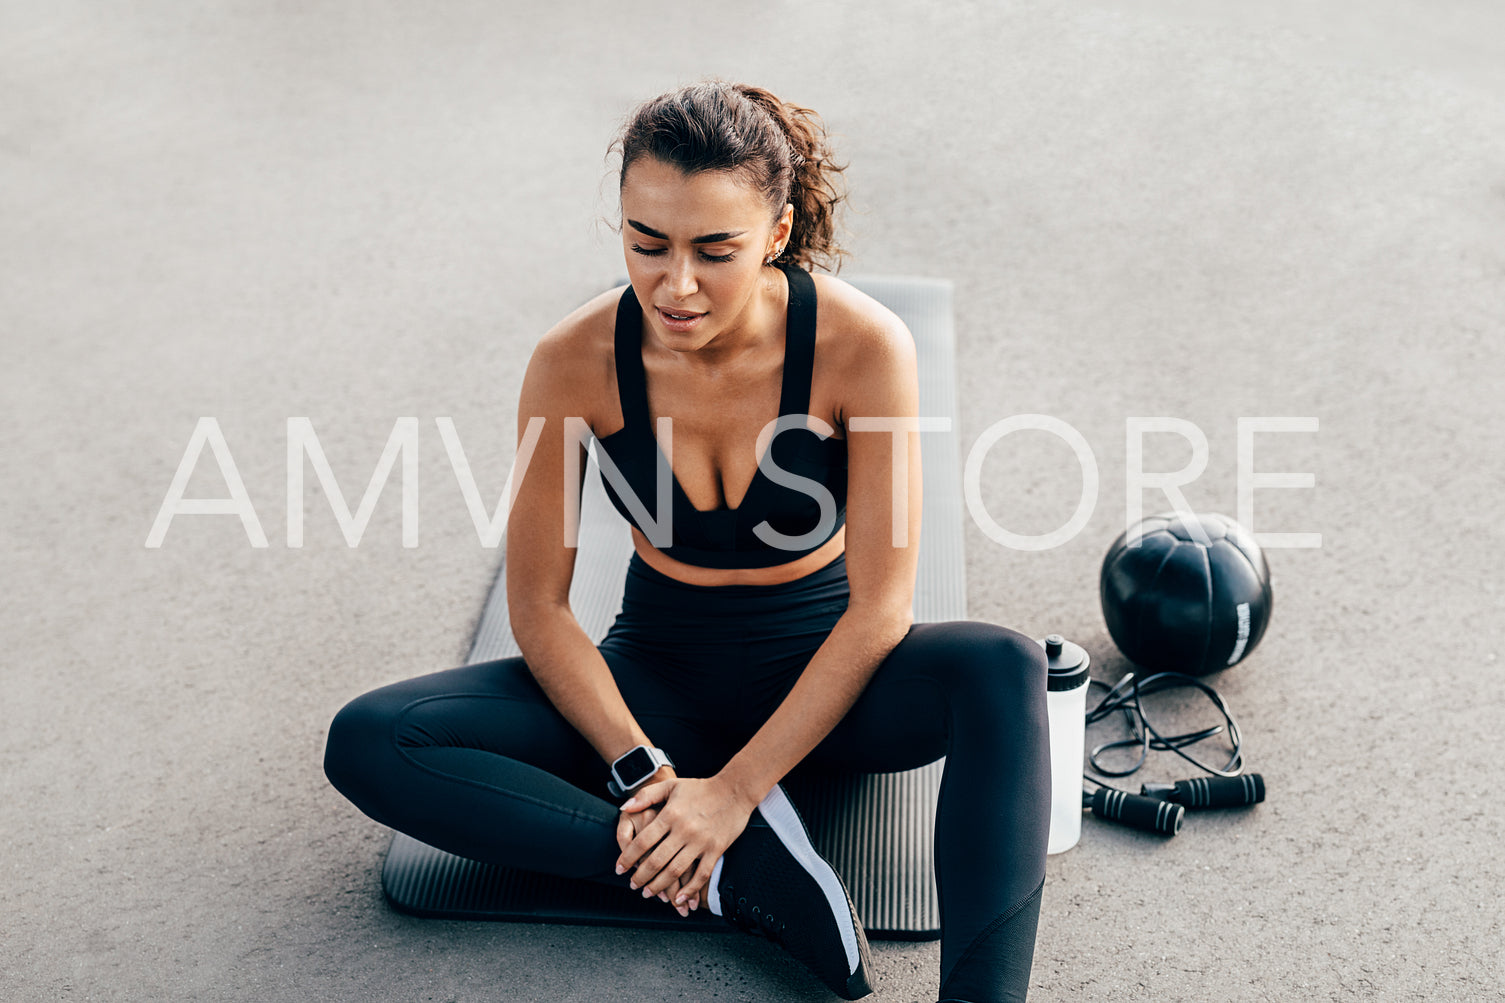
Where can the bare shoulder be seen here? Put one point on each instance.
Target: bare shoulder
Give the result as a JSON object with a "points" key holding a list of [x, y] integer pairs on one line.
{"points": [[861, 343], [853, 324], [573, 366]]}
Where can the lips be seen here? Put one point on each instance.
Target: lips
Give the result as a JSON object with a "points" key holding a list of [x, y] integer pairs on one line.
{"points": [[678, 320]]}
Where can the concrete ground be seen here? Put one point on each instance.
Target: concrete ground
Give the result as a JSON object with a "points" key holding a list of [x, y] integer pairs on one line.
{"points": [[360, 211]]}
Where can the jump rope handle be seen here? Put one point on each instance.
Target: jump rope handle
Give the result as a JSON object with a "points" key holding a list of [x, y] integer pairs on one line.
{"points": [[1136, 811], [1210, 792]]}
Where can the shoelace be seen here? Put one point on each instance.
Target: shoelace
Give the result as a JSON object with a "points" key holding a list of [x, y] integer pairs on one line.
{"points": [[754, 919]]}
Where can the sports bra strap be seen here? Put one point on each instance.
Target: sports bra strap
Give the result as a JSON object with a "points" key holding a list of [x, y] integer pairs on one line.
{"points": [[632, 382], [799, 343]]}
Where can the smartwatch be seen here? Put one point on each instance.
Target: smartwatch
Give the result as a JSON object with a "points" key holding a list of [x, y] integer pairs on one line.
{"points": [[633, 768]]}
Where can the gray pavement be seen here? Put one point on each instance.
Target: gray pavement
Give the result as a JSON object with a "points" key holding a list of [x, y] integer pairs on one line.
{"points": [[361, 211]]}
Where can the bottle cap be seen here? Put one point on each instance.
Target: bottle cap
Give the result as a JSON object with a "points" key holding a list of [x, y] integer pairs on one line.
{"points": [[1069, 663]]}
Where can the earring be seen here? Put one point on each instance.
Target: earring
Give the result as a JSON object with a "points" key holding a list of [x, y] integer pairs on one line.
{"points": [[773, 256]]}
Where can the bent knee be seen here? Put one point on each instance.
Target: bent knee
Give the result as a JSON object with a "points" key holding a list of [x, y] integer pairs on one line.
{"points": [[987, 661], [360, 739]]}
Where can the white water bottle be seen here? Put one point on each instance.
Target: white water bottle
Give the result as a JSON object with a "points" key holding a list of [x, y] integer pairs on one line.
{"points": [[1066, 705]]}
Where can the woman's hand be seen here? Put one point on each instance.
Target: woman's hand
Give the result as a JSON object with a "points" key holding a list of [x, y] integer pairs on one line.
{"points": [[629, 824], [693, 822]]}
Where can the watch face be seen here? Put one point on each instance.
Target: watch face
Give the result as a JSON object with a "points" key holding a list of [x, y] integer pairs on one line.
{"points": [[635, 767]]}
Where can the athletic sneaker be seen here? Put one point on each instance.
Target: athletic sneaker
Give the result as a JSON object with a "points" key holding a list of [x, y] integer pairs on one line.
{"points": [[771, 881]]}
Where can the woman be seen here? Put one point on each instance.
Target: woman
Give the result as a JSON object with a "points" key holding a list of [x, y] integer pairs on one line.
{"points": [[766, 622]]}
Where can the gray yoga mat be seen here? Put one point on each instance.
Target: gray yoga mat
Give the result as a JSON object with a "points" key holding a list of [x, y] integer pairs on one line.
{"points": [[877, 830]]}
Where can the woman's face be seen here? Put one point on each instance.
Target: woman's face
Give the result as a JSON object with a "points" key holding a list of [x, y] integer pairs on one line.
{"points": [[695, 245]]}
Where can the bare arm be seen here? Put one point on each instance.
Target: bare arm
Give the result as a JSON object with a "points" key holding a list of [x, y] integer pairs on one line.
{"points": [[561, 656], [566, 663]]}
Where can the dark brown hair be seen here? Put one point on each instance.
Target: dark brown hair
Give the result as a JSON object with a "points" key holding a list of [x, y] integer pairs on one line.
{"points": [[780, 148]]}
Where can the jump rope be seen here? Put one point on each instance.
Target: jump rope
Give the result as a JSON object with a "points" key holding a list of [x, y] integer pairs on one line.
{"points": [[1160, 808]]}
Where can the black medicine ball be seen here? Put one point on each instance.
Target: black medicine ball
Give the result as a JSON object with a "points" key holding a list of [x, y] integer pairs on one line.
{"points": [[1174, 604]]}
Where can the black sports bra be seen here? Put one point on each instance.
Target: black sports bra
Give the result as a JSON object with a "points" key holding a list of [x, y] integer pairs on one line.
{"points": [[781, 515]]}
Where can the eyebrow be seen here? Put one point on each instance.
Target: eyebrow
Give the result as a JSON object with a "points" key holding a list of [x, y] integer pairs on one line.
{"points": [[710, 238]]}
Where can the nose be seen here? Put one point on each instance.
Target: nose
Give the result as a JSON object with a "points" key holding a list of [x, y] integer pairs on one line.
{"points": [[680, 281]]}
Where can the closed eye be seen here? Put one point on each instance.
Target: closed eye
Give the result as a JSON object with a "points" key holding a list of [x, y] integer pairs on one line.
{"points": [[654, 252]]}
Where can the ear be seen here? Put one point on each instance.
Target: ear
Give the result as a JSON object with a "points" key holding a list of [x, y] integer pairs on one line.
{"points": [[784, 226]]}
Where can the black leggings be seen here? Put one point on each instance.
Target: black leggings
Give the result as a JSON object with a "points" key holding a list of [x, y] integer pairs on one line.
{"points": [[476, 761]]}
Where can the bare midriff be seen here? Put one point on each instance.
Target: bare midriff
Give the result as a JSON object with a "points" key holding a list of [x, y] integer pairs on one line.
{"points": [[694, 574]]}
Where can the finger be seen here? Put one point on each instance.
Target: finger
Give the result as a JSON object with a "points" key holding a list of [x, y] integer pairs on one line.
{"points": [[651, 794], [635, 824], [666, 884], [647, 838], [681, 846], [668, 895], [695, 884], [679, 897], [649, 874], [625, 831], [680, 903], [664, 866], [649, 867], [676, 873], [681, 891]]}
